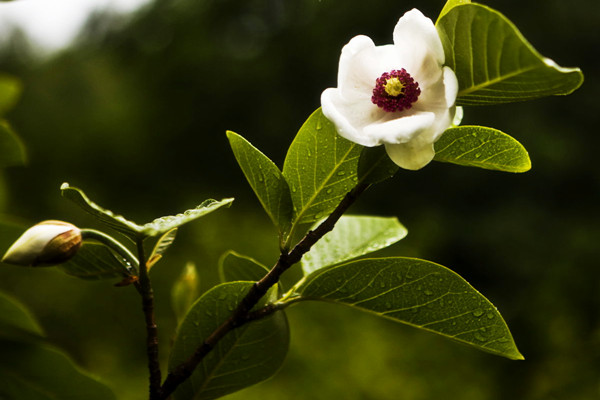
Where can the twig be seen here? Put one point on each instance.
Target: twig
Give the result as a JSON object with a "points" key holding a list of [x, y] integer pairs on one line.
{"points": [[242, 314], [151, 328]]}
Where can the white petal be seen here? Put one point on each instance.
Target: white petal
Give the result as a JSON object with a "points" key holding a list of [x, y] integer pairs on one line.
{"points": [[392, 129], [349, 117], [358, 68], [29, 246], [413, 155], [451, 85], [416, 39]]}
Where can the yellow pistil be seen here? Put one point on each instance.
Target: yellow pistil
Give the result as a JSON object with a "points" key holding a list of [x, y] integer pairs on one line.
{"points": [[394, 87]]}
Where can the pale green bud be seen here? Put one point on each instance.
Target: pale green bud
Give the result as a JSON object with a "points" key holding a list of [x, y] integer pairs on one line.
{"points": [[47, 243]]}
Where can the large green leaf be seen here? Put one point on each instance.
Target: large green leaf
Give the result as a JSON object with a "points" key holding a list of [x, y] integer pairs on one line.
{"points": [[450, 4], [266, 180], [16, 322], [95, 261], [494, 63], [320, 168], [157, 227], [352, 236], [12, 150], [10, 90], [245, 356], [236, 267], [32, 371], [478, 146], [418, 293]]}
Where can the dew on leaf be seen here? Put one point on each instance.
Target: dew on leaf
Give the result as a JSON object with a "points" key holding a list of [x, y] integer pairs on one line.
{"points": [[477, 313]]}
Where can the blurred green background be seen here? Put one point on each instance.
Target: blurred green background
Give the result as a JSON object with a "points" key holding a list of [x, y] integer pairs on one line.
{"points": [[135, 113]]}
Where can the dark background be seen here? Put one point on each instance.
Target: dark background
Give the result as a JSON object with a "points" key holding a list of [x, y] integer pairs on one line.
{"points": [[135, 113]]}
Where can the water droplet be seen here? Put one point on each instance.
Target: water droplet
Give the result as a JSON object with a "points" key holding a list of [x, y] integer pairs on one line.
{"points": [[428, 292], [319, 126], [477, 155], [477, 313], [329, 191], [341, 173], [260, 178], [490, 315], [479, 337], [382, 284]]}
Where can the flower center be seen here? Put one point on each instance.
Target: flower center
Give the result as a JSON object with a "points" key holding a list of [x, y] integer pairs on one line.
{"points": [[395, 91]]}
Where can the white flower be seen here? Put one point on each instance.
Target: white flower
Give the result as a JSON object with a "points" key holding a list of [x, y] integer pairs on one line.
{"points": [[397, 95], [47, 243]]}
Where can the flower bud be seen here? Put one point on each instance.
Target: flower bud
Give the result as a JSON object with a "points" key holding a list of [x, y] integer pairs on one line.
{"points": [[47, 243]]}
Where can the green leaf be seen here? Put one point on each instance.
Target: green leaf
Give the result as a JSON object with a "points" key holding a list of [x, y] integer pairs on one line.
{"points": [[31, 371], [16, 322], [10, 91], [375, 165], [245, 356], [94, 261], [185, 290], [266, 180], [236, 267], [157, 227], [320, 167], [161, 246], [12, 150], [478, 146], [494, 63], [352, 236], [417, 293], [450, 4]]}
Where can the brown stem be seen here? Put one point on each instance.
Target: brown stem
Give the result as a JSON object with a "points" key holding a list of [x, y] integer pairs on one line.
{"points": [[145, 289], [242, 314]]}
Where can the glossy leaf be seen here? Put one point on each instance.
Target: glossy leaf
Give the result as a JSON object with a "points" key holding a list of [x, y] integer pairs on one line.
{"points": [[478, 146], [11, 147], [157, 227], [31, 371], [494, 63], [94, 261], [245, 356], [185, 291], [16, 322], [320, 168], [375, 165], [418, 293], [236, 267], [450, 4], [352, 236], [266, 180], [10, 90]]}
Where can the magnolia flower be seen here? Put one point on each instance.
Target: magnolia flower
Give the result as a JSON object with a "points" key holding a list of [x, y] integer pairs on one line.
{"points": [[397, 95], [47, 243]]}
